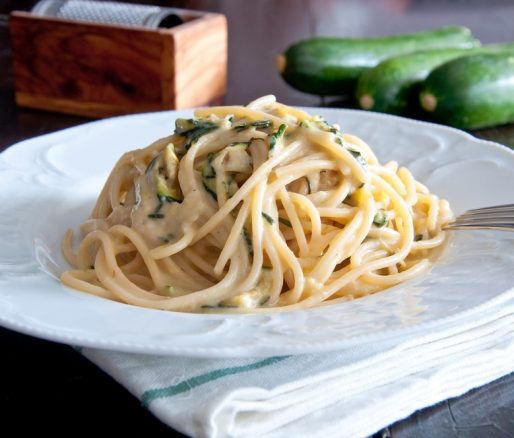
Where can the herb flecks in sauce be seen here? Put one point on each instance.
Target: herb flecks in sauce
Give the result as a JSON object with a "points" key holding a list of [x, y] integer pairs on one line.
{"points": [[258, 124], [193, 129], [209, 176], [268, 218], [248, 239], [285, 222], [358, 156]]}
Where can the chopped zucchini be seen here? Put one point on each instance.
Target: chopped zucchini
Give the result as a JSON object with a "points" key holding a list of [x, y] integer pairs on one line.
{"points": [[248, 240], [268, 218], [193, 129], [233, 159], [207, 169], [258, 124], [261, 124], [162, 173], [254, 298], [276, 136], [156, 215], [171, 161], [358, 156], [209, 176], [166, 193], [380, 218], [285, 222], [184, 125]]}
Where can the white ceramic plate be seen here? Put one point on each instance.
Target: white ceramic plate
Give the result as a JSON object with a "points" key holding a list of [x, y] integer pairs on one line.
{"points": [[49, 183]]}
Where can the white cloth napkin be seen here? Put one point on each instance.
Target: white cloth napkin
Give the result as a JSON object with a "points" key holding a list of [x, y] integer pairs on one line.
{"points": [[349, 393]]}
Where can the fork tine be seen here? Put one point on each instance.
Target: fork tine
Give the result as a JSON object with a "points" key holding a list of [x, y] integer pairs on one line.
{"points": [[484, 216], [504, 212], [490, 221], [482, 226], [475, 217], [490, 210], [500, 217], [487, 217], [494, 207]]}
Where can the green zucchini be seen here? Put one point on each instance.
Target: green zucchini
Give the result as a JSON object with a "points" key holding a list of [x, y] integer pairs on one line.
{"points": [[390, 87], [331, 66], [472, 92], [393, 85]]}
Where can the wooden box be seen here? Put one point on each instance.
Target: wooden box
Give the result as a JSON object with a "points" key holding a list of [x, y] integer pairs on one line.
{"points": [[99, 70]]}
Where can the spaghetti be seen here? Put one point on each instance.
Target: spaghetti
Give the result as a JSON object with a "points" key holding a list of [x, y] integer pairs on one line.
{"points": [[252, 209]]}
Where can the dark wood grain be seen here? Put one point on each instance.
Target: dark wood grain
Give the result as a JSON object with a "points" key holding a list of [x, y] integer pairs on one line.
{"points": [[51, 388], [199, 61], [85, 69], [101, 70]]}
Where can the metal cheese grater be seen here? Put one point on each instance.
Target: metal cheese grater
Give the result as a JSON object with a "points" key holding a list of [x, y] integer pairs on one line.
{"points": [[109, 12]]}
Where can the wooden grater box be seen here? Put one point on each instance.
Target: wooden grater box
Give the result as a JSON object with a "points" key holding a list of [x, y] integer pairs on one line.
{"points": [[100, 70]]}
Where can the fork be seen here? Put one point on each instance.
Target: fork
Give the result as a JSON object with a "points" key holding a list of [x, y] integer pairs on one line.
{"points": [[499, 217]]}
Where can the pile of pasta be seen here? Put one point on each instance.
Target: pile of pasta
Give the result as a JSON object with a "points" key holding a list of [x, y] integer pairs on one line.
{"points": [[254, 208]]}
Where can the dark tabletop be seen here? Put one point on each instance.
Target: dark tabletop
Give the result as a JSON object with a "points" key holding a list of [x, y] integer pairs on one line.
{"points": [[48, 387]]}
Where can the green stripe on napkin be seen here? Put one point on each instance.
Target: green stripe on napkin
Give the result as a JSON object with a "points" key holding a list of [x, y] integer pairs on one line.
{"points": [[170, 391]]}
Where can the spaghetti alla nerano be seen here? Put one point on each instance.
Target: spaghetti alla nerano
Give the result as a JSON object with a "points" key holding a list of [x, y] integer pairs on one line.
{"points": [[252, 209]]}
